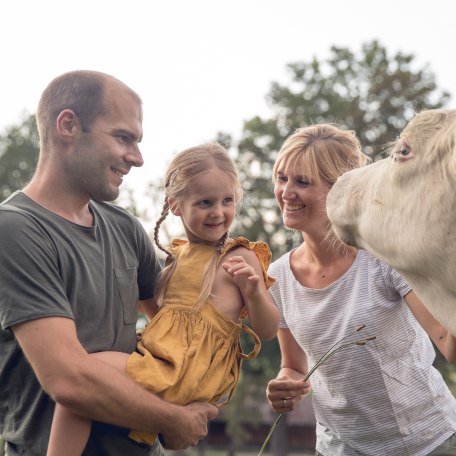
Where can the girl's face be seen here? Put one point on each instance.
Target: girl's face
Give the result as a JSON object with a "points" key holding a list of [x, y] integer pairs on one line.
{"points": [[302, 203], [209, 208]]}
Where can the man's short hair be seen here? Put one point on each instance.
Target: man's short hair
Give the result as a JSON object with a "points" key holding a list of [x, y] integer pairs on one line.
{"points": [[81, 91]]}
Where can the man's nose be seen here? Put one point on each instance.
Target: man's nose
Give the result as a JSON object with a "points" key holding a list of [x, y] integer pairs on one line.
{"points": [[135, 156]]}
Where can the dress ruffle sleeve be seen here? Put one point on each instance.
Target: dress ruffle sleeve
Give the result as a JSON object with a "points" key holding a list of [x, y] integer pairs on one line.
{"points": [[261, 250]]}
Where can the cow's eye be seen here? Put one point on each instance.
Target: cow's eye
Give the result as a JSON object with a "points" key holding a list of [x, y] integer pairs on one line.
{"points": [[404, 150]]}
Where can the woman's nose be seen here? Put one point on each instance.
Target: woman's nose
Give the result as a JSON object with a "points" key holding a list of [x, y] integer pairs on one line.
{"points": [[288, 191]]}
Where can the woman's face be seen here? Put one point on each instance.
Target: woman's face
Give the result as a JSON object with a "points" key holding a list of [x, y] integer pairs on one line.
{"points": [[302, 203]]}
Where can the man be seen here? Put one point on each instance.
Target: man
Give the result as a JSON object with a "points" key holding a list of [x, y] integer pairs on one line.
{"points": [[72, 268]]}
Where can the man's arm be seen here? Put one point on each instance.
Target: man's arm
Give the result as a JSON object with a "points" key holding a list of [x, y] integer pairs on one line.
{"points": [[93, 389]]}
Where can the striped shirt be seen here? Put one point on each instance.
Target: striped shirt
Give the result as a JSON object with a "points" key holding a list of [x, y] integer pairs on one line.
{"points": [[384, 398]]}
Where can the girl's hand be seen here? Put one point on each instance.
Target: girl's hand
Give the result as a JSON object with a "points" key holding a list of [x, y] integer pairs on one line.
{"points": [[284, 393], [243, 275]]}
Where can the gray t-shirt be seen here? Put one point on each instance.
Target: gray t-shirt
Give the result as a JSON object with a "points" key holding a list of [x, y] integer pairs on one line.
{"points": [[384, 398], [50, 266]]}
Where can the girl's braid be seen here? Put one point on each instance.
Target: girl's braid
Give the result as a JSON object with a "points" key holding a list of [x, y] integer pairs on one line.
{"points": [[222, 243], [163, 215]]}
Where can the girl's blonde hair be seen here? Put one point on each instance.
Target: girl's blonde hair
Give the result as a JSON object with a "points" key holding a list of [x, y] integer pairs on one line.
{"points": [[180, 177], [321, 153]]}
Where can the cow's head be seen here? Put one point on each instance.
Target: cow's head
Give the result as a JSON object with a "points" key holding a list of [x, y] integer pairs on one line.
{"points": [[403, 208]]}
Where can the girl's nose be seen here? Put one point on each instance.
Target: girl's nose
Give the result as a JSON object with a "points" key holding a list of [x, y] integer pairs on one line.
{"points": [[217, 210]]}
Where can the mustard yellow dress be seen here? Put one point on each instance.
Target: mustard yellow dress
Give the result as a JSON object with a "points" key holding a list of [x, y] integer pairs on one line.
{"points": [[188, 354]]}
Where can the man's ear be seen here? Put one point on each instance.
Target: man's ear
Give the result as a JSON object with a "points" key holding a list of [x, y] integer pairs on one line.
{"points": [[67, 125], [173, 207]]}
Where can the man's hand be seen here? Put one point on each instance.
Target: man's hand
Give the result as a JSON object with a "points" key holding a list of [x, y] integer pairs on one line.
{"points": [[192, 426]]}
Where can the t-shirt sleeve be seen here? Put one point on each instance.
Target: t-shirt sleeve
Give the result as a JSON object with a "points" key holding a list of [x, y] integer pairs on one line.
{"points": [[148, 266], [30, 282], [275, 290], [394, 280]]}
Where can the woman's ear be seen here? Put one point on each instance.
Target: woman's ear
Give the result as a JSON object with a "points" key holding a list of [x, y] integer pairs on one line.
{"points": [[173, 207]]}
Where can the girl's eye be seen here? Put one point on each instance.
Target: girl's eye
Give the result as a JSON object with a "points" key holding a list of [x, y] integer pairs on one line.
{"points": [[203, 203], [229, 200]]}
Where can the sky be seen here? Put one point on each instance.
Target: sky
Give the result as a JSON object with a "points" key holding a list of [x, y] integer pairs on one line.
{"points": [[203, 66]]}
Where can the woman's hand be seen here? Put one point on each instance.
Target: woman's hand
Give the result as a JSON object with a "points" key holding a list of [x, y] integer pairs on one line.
{"points": [[284, 393]]}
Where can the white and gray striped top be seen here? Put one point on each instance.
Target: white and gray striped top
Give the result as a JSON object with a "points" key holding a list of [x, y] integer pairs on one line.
{"points": [[381, 399]]}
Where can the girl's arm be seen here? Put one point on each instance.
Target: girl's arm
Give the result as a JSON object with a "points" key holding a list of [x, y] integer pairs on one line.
{"points": [[289, 385], [442, 338], [245, 271]]}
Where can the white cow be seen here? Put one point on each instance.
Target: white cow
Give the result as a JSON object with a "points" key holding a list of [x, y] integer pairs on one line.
{"points": [[403, 210]]}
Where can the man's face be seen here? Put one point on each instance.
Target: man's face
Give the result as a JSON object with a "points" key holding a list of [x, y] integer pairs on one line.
{"points": [[107, 152]]}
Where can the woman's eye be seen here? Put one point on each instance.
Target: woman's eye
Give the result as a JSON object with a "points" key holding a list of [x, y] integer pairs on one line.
{"points": [[281, 179]]}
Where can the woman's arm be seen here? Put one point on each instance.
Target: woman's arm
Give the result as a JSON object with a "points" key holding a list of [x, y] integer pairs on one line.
{"points": [[285, 391], [442, 338]]}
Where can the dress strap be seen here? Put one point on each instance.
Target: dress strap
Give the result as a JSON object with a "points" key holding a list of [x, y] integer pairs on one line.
{"points": [[251, 355], [256, 340]]}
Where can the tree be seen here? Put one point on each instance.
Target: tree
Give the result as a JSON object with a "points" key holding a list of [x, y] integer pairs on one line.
{"points": [[19, 148], [370, 92]]}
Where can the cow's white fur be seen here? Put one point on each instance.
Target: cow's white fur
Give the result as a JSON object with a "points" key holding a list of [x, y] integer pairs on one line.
{"points": [[403, 210]]}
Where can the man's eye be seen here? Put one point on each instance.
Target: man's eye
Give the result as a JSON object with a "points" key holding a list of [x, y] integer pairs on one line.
{"points": [[123, 139]]}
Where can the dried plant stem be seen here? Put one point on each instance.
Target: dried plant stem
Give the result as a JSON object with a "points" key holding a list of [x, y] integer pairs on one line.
{"points": [[339, 345]]}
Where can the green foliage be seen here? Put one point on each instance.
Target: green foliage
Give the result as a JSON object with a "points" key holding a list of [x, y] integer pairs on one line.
{"points": [[19, 148], [371, 92]]}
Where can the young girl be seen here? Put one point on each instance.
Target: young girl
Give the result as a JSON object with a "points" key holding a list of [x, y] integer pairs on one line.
{"points": [[190, 350]]}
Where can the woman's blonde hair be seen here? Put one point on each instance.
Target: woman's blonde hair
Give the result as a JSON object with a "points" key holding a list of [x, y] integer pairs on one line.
{"points": [[180, 177], [321, 153]]}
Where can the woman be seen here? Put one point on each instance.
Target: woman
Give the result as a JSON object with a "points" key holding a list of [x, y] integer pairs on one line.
{"points": [[384, 398]]}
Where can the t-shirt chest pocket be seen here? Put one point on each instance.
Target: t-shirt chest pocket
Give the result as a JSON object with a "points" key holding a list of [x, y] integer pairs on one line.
{"points": [[127, 286]]}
